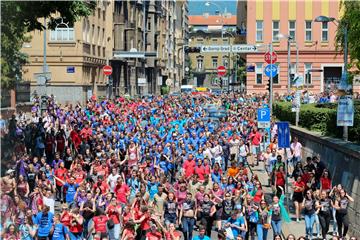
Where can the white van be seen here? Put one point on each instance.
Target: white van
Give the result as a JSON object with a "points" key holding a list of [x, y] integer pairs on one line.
{"points": [[187, 88]]}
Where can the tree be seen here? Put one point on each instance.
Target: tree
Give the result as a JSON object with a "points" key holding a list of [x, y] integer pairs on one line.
{"points": [[351, 20], [20, 17]]}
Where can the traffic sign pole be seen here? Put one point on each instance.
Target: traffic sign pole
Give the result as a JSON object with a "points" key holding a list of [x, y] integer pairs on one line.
{"points": [[271, 82]]}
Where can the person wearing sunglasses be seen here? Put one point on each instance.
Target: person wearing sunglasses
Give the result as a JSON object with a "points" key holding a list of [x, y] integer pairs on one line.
{"points": [[263, 224], [309, 213]]}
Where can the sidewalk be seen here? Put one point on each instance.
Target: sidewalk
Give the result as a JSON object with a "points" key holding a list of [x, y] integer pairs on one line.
{"points": [[298, 229]]}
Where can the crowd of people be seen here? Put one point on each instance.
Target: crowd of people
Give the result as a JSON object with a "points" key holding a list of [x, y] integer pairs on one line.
{"points": [[159, 168]]}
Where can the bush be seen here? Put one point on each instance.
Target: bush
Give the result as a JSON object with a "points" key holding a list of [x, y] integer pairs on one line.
{"points": [[320, 118]]}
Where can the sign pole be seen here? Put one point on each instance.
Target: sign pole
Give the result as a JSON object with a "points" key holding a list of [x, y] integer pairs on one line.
{"points": [[271, 81]]}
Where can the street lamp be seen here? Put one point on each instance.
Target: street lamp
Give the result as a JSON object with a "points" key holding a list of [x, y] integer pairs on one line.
{"points": [[208, 4], [343, 82], [324, 19], [289, 39]]}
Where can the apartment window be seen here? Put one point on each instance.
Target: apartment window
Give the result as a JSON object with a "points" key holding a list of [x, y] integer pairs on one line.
{"points": [[214, 40], [292, 29], [104, 15], [225, 61], [98, 35], [199, 39], [259, 31], [103, 37], [307, 67], [308, 31], [324, 32], [276, 78], [93, 33], [276, 31], [214, 62], [62, 33], [200, 63], [259, 73]]}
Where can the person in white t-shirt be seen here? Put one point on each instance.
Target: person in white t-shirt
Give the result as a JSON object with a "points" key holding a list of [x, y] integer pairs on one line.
{"points": [[49, 200], [112, 179], [296, 149]]}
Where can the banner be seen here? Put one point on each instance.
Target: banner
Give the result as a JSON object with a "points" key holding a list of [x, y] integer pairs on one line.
{"points": [[345, 111]]}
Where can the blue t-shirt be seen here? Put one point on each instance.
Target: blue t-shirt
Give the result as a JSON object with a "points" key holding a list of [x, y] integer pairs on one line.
{"points": [[59, 232], [44, 223], [201, 238], [70, 192], [238, 221]]}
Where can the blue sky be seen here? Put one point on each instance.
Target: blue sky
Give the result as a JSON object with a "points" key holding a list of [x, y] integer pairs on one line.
{"points": [[197, 7]]}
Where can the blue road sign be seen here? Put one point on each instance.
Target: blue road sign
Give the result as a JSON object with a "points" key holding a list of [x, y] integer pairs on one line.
{"points": [[250, 68], [283, 134], [271, 69], [263, 114], [263, 117], [70, 69]]}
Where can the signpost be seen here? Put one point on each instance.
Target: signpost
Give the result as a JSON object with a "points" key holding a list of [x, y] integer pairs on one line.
{"points": [[107, 69], [345, 111], [221, 71], [270, 58], [271, 70], [263, 117], [283, 134], [239, 48]]}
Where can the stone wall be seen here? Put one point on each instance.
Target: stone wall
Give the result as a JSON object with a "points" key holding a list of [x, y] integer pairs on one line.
{"points": [[343, 161]]}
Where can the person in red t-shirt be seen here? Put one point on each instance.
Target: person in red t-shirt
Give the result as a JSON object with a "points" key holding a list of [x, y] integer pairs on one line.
{"points": [[325, 182], [104, 187], [189, 166], [200, 170], [298, 196], [154, 234], [65, 215], [143, 218], [76, 224], [255, 140], [279, 180], [60, 173], [114, 212], [100, 226], [121, 190]]}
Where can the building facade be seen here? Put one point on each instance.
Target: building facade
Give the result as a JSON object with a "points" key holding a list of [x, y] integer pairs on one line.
{"points": [[74, 54], [139, 39], [313, 46], [211, 30]]}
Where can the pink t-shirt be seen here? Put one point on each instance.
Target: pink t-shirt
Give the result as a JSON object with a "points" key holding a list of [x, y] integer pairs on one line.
{"points": [[181, 197], [189, 168], [296, 148], [200, 171]]}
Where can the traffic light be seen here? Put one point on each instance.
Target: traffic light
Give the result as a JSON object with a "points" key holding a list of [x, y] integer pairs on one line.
{"points": [[268, 86]]}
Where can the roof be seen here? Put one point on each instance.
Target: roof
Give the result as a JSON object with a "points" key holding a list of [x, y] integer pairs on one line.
{"points": [[212, 20]]}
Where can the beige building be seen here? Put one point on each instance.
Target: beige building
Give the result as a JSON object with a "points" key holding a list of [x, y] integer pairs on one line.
{"points": [[141, 40], [211, 30], [75, 56]]}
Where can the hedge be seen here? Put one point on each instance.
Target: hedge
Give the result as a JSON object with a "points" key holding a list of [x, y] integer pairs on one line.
{"points": [[320, 118]]}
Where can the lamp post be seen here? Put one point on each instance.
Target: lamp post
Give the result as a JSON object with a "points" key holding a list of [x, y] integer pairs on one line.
{"points": [[343, 81], [221, 13], [289, 39]]}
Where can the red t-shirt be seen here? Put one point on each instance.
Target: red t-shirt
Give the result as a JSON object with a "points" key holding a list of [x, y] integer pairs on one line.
{"points": [[256, 138], [66, 219], [60, 173], [280, 180], [100, 223], [145, 225], [300, 185], [113, 214], [78, 228], [189, 168], [153, 236], [325, 183], [121, 192], [104, 187], [200, 171], [79, 176]]}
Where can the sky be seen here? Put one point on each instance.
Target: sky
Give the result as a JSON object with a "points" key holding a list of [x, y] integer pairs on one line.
{"points": [[197, 7]]}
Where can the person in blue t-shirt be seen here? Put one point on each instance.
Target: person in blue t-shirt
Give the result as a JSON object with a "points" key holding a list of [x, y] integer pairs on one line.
{"points": [[71, 188], [237, 224], [59, 231], [44, 221], [201, 235]]}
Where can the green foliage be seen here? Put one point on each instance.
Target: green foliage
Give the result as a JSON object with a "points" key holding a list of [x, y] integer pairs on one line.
{"points": [[351, 20], [165, 90], [320, 118], [20, 17]]}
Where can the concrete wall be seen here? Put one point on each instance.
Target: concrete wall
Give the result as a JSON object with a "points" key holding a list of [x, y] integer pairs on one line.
{"points": [[343, 161]]}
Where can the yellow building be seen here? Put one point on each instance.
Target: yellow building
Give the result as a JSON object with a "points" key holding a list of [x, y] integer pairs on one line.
{"points": [[75, 56], [211, 30]]}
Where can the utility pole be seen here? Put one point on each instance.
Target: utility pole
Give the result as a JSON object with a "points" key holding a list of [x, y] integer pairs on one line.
{"points": [[289, 65]]}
